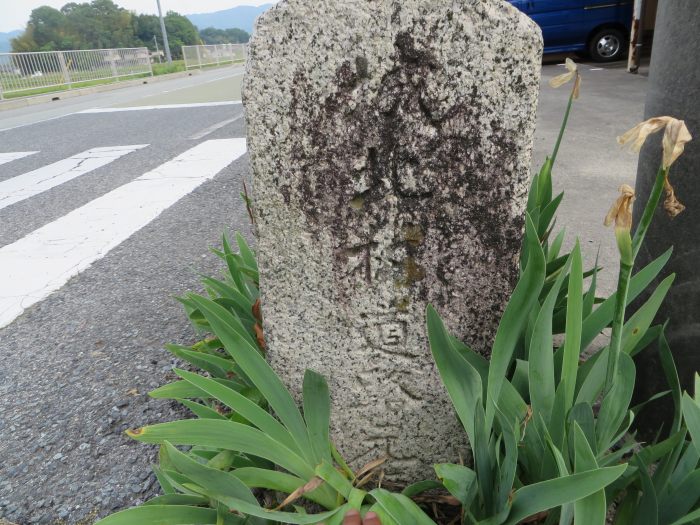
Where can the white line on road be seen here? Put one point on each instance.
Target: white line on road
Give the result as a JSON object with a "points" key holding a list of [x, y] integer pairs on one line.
{"points": [[34, 182], [213, 128], [15, 155], [35, 122], [43, 261], [162, 106]]}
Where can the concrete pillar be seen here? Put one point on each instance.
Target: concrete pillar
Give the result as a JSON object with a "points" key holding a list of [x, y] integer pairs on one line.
{"points": [[674, 88]]}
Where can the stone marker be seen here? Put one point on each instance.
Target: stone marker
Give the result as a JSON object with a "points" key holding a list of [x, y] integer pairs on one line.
{"points": [[390, 147]]}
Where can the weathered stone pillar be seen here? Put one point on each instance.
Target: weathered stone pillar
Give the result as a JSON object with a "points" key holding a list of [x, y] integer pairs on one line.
{"points": [[390, 148], [674, 83]]}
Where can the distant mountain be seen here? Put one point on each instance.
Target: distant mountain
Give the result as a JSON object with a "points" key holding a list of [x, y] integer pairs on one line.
{"points": [[241, 17], [5, 40]]}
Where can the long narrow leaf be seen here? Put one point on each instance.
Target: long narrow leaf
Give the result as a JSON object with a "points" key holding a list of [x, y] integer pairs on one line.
{"points": [[615, 405], [335, 479], [636, 327], [179, 499], [216, 483], [555, 247], [201, 411], [647, 512], [401, 509], [317, 412], [691, 415], [226, 435], [589, 299], [216, 366], [602, 316], [671, 373], [547, 214], [235, 269], [572, 343], [243, 406], [282, 482], [682, 498], [461, 380], [168, 515], [246, 252], [459, 480], [284, 517], [693, 517], [259, 372], [513, 320], [552, 493], [541, 369], [592, 509]]}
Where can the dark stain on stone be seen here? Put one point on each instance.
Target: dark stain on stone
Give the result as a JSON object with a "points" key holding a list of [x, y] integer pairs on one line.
{"points": [[412, 272], [362, 67], [428, 156], [413, 234]]}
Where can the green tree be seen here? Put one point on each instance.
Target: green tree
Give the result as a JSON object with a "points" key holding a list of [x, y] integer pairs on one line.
{"points": [[211, 35], [49, 28], [181, 32], [147, 27], [100, 24], [24, 42]]}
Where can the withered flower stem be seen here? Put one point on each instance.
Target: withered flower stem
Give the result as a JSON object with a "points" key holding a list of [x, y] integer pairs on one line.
{"points": [[559, 81], [629, 248]]}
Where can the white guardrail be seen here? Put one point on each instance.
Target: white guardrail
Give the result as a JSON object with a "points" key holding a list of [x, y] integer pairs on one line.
{"points": [[201, 56], [28, 73]]}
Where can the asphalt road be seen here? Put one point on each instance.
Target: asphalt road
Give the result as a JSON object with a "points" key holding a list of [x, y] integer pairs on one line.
{"points": [[76, 365], [71, 363]]}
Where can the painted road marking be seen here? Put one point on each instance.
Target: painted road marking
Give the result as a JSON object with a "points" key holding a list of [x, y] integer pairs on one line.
{"points": [[162, 106], [218, 125], [15, 155], [35, 122], [34, 182], [43, 261]]}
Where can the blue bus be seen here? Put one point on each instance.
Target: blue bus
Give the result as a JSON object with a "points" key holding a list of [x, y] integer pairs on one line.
{"points": [[599, 28]]}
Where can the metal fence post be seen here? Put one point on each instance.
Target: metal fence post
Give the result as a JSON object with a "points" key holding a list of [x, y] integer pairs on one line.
{"points": [[64, 69], [113, 65], [199, 58]]}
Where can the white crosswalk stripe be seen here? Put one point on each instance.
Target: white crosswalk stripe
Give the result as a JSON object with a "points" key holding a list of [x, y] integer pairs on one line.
{"points": [[161, 106], [42, 262], [34, 182], [15, 155]]}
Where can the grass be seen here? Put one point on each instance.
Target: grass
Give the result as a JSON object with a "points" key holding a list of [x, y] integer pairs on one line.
{"points": [[60, 88], [165, 68]]}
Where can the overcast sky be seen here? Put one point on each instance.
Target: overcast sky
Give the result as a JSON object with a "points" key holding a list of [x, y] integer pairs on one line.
{"points": [[15, 13]]}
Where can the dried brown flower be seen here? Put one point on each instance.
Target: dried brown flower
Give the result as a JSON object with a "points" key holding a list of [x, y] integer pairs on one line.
{"points": [[572, 73], [675, 137], [621, 211]]}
